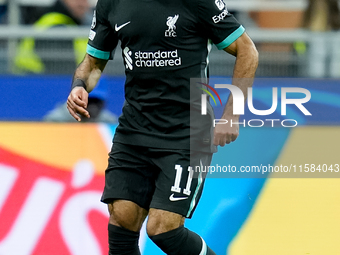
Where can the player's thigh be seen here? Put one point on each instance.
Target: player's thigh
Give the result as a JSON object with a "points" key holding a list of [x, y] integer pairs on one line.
{"points": [[129, 186], [178, 187]]}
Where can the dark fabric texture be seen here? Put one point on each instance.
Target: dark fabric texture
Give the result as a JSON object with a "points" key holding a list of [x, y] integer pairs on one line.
{"points": [[123, 241], [181, 241]]}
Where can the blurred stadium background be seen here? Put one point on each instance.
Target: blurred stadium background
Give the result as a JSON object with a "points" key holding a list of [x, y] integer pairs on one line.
{"points": [[51, 175]]}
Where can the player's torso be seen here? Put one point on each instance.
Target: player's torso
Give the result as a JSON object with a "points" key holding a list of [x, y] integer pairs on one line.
{"points": [[162, 47], [157, 35]]}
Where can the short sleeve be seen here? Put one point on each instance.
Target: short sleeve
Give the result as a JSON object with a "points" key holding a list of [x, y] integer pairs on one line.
{"points": [[102, 39], [218, 24]]}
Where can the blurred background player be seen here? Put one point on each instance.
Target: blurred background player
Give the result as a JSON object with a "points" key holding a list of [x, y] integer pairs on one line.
{"points": [[47, 56], [322, 16], [96, 107]]}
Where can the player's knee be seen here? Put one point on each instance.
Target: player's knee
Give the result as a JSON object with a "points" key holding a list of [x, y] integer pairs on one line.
{"points": [[162, 221], [152, 227], [126, 214]]}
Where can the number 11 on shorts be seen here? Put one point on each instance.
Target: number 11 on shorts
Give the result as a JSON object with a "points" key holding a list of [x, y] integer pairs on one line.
{"points": [[175, 187]]}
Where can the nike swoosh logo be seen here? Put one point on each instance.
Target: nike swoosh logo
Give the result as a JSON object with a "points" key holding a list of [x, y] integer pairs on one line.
{"points": [[172, 198], [121, 26]]}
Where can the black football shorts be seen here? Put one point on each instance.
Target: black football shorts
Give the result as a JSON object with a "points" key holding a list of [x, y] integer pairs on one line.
{"points": [[155, 178]]}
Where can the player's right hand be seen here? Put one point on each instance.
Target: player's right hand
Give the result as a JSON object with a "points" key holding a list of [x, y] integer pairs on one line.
{"points": [[225, 133], [77, 103]]}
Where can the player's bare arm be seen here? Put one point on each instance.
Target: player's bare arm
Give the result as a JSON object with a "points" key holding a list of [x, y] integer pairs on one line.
{"points": [[87, 74], [244, 71]]}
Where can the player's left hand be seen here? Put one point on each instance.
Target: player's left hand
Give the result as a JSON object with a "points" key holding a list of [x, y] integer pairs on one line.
{"points": [[226, 133]]}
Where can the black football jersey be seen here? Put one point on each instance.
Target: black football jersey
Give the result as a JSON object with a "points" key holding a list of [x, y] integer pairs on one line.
{"points": [[164, 44]]}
